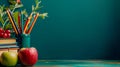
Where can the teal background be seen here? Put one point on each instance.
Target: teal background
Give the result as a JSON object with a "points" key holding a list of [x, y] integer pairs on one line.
{"points": [[77, 29]]}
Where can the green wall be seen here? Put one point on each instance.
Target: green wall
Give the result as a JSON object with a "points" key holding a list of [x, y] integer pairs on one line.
{"points": [[78, 29]]}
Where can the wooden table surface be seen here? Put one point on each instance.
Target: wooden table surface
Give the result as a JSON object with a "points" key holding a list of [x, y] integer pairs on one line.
{"points": [[76, 63]]}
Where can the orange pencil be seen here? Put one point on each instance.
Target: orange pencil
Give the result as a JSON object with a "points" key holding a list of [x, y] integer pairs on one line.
{"points": [[29, 31], [12, 22], [19, 23], [27, 23]]}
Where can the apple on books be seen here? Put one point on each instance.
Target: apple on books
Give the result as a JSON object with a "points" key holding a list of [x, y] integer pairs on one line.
{"points": [[28, 56]]}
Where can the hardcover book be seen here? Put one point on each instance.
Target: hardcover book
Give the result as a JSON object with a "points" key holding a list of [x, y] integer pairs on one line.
{"points": [[7, 40], [8, 49], [8, 45]]}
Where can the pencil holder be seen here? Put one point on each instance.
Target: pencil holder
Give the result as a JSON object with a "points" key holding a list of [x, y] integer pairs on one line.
{"points": [[19, 40], [25, 40]]}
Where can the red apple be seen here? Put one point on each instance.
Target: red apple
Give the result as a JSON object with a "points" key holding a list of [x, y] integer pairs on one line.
{"points": [[5, 35], [7, 31], [1, 29], [1, 34], [28, 56]]}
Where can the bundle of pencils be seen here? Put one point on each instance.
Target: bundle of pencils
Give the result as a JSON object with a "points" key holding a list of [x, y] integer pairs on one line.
{"points": [[22, 28]]}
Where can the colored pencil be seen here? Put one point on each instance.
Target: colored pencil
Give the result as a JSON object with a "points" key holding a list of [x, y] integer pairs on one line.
{"points": [[32, 19], [18, 1], [33, 23], [12, 22], [27, 23], [22, 25], [19, 23]]}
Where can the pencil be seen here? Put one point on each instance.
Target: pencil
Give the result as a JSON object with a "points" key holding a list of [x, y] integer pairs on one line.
{"points": [[19, 23], [32, 19], [22, 25], [12, 22], [27, 23], [18, 1], [33, 23]]}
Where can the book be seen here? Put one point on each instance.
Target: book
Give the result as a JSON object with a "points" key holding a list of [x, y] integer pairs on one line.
{"points": [[13, 49], [7, 40], [8, 46], [9, 49], [3, 50]]}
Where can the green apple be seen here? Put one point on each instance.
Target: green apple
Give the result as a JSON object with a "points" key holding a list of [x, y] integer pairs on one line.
{"points": [[9, 58]]}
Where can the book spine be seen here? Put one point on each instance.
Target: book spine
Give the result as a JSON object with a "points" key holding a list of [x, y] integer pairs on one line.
{"points": [[8, 49]]}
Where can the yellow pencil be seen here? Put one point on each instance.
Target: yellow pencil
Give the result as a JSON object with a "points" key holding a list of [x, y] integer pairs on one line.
{"points": [[13, 25], [31, 27]]}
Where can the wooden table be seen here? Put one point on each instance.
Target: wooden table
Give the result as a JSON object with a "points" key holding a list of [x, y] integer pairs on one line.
{"points": [[77, 63]]}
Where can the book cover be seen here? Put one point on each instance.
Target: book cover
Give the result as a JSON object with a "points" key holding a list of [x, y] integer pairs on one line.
{"points": [[9, 46], [7, 40], [13, 49]]}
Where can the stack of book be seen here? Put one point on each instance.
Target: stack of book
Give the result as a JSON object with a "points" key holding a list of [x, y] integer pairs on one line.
{"points": [[8, 44]]}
